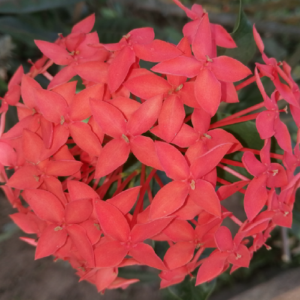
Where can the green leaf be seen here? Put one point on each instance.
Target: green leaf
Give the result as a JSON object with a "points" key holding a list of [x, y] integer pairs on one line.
{"points": [[21, 31], [29, 6], [187, 290], [246, 133], [243, 36]]}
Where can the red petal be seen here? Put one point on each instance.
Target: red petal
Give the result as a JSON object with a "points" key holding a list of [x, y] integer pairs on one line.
{"points": [[60, 136], [80, 107], [26, 177], [145, 117], [16, 78], [206, 197], [85, 138], [229, 94], [212, 267], [125, 200], [202, 42], [79, 190], [62, 167], [8, 156], [109, 254], [207, 162], [109, 118], [156, 51], [112, 221], [256, 196], [47, 132], [181, 66], [187, 94], [93, 71], [104, 278], [144, 150], [126, 105], [85, 25], [208, 91], [180, 230], [171, 117], [113, 155], [142, 232], [82, 243], [229, 69], [46, 206], [173, 162], [252, 164], [265, 124], [201, 120], [55, 52], [32, 146], [222, 37], [78, 211], [52, 105], [50, 241], [53, 185], [278, 179], [185, 137], [258, 40], [27, 222], [282, 135], [119, 68], [145, 255], [241, 257], [142, 36], [142, 86], [66, 90], [168, 199], [223, 239], [227, 190], [179, 255], [28, 87], [63, 76]]}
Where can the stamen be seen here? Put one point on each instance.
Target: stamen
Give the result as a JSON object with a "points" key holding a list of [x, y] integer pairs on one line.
{"points": [[208, 58], [126, 139], [57, 228], [193, 184], [179, 88]]}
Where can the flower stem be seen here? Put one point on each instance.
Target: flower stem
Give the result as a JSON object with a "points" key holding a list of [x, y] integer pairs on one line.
{"points": [[243, 112], [232, 163], [257, 152], [232, 217], [245, 83], [234, 173], [139, 205], [234, 121]]}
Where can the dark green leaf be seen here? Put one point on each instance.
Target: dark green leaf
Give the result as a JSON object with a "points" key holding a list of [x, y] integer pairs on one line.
{"points": [[22, 31], [243, 36], [29, 6], [247, 134], [187, 290]]}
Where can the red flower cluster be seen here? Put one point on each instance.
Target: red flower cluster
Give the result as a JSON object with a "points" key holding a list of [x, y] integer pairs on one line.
{"points": [[71, 151]]}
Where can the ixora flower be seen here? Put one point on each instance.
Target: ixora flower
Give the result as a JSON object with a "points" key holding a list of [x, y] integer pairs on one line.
{"points": [[86, 163]]}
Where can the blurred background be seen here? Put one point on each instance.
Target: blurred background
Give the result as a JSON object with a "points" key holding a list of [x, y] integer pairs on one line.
{"points": [[272, 274]]}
